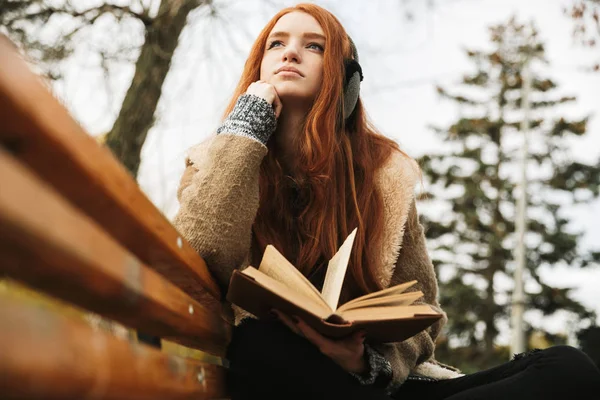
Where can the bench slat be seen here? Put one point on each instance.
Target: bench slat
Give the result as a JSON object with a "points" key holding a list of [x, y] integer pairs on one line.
{"points": [[36, 128], [48, 356], [49, 244]]}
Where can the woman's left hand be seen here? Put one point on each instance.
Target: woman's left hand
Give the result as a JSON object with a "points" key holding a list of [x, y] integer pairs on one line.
{"points": [[347, 352]]}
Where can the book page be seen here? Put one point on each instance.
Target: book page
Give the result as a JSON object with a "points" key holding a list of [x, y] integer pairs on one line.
{"points": [[275, 265], [391, 291], [336, 271], [403, 299], [314, 307], [382, 313]]}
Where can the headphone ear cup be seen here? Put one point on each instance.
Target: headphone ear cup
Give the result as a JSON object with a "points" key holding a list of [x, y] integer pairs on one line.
{"points": [[353, 77], [351, 93]]}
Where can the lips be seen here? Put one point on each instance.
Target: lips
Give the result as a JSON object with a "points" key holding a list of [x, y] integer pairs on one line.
{"points": [[288, 69]]}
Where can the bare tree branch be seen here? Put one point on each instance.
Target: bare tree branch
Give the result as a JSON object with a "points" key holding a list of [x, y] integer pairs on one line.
{"points": [[586, 24], [136, 115], [21, 10], [24, 21]]}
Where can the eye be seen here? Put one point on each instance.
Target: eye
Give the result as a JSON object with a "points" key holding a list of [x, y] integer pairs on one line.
{"points": [[316, 46], [275, 43]]}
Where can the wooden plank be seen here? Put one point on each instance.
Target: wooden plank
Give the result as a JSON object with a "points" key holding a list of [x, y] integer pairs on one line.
{"points": [[49, 244], [36, 128], [44, 355]]}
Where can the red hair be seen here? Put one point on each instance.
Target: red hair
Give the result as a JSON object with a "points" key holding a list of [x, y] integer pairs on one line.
{"points": [[338, 161]]}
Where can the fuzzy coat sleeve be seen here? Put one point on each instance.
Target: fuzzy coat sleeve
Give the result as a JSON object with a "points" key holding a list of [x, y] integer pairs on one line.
{"points": [[413, 263], [218, 197]]}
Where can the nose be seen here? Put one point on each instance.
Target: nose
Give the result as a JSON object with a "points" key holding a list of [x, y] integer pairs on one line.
{"points": [[291, 53]]}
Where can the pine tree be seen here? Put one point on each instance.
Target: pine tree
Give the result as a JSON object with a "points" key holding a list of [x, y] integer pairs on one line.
{"points": [[476, 174]]}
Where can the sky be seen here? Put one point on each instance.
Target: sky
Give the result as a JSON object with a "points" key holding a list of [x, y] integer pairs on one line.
{"points": [[402, 60]]}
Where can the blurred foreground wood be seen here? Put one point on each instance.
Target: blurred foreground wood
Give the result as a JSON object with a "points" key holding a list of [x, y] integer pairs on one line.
{"points": [[38, 130], [75, 225], [47, 356], [50, 245]]}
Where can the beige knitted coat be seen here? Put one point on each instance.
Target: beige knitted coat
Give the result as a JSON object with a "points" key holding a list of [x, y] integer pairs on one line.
{"points": [[218, 197]]}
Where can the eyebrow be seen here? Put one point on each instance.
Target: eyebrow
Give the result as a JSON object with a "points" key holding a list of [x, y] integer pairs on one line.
{"points": [[308, 35]]}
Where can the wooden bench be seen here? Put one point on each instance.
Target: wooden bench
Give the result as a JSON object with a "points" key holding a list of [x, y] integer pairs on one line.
{"points": [[75, 225]]}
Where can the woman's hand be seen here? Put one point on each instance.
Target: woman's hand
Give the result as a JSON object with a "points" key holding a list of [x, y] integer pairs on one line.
{"points": [[267, 92], [348, 352]]}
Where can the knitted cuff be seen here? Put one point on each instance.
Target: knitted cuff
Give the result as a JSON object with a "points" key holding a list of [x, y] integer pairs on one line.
{"points": [[252, 117], [378, 367]]}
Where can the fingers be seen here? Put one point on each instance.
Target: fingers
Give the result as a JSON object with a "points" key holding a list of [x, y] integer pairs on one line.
{"points": [[266, 91], [358, 337], [301, 328], [347, 352], [331, 347], [262, 89], [287, 321], [315, 337]]}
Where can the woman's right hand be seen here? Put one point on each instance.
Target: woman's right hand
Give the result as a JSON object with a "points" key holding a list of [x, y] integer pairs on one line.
{"points": [[266, 91]]}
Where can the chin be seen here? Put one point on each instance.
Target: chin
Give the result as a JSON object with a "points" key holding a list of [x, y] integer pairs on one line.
{"points": [[291, 91]]}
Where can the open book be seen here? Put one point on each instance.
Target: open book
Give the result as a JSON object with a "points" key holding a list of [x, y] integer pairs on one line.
{"points": [[388, 315]]}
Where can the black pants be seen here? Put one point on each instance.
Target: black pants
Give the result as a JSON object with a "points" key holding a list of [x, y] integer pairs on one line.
{"points": [[268, 361]]}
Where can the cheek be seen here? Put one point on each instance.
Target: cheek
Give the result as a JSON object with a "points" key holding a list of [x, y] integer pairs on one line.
{"points": [[266, 68], [262, 71], [318, 72]]}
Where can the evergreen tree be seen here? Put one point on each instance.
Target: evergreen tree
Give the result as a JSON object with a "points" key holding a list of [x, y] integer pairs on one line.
{"points": [[476, 174]]}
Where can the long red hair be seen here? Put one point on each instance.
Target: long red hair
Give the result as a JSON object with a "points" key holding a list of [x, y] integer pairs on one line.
{"points": [[338, 161]]}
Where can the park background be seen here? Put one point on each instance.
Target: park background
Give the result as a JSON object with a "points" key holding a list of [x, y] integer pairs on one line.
{"points": [[416, 58]]}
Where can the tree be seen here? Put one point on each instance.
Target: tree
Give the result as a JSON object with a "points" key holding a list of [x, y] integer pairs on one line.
{"points": [[136, 116], [475, 176], [160, 29], [586, 24]]}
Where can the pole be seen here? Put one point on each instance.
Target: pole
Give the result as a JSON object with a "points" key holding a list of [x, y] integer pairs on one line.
{"points": [[518, 300]]}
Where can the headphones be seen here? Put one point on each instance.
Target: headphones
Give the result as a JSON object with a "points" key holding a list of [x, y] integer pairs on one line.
{"points": [[353, 78]]}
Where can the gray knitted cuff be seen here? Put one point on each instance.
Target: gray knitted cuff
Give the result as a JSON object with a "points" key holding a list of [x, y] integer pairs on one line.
{"points": [[378, 367], [252, 117]]}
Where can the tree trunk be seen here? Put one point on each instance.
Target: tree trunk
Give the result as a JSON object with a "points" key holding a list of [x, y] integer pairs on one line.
{"points": [[136, 116]]}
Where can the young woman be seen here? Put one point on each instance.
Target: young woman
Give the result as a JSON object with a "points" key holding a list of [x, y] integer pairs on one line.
{"points": [[297, 164]]}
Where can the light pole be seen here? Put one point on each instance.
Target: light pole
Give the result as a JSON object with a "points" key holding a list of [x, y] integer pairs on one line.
{"points": [[518, 299]]}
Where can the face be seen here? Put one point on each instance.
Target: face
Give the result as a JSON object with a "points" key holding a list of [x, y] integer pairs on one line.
{"points": [[293, 59]]}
